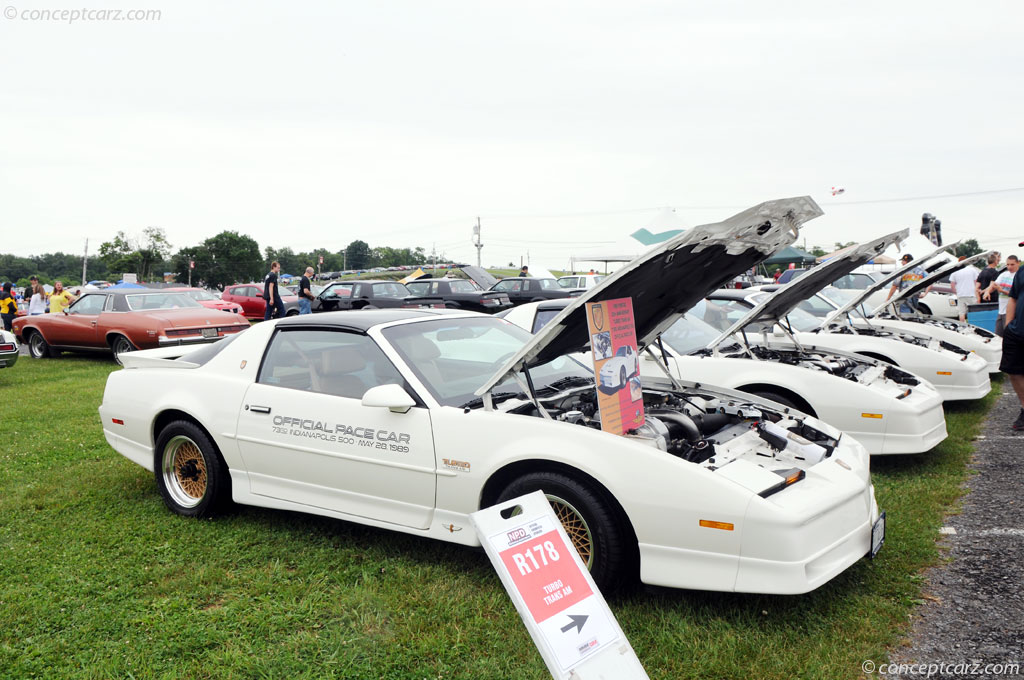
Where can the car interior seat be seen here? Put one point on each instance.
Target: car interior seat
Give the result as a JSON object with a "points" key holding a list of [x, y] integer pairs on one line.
{"points": [[422, 353], [336, 373]]}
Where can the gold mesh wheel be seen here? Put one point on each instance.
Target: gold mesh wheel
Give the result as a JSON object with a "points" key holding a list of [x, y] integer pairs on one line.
{"points": [[575, 526], [184, 471]]}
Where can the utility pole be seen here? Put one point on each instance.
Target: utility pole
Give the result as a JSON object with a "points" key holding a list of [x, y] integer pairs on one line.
{"points": [[85, 260], [478, 244], [191, 266], [433, 253]]}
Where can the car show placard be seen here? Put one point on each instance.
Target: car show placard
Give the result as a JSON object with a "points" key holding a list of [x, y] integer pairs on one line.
{"points": [[616, 364], [566, 615]]}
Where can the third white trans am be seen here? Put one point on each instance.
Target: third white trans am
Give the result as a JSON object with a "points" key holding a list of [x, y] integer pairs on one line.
{"points": [[413, 419], [851, 305]]}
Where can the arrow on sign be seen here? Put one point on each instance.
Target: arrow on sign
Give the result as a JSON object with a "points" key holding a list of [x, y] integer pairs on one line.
{"points": [[577, 622]]}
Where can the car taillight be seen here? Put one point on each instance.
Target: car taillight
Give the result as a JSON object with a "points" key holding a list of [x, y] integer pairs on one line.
{"points": [[489, 301], [7, 347]]}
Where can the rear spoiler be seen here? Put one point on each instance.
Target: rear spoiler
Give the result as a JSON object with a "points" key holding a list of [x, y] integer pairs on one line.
{"points": [[161, 357]]}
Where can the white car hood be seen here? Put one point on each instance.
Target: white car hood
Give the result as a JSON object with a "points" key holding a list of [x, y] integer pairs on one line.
{"points": [[923, 284], [666, 281], [783, 300]]}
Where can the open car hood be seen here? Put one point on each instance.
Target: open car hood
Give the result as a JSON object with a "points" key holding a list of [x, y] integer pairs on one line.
{"points": [[481, 276], [796, 291], [667, 280], [934, 276], [885, 281]]}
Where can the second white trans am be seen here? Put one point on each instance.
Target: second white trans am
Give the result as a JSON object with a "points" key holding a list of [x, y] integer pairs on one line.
{"points": [[411, 420]]}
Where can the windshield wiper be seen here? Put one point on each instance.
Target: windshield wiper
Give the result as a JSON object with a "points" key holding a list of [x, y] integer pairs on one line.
{"points": [[497, 399], [563, 383]]}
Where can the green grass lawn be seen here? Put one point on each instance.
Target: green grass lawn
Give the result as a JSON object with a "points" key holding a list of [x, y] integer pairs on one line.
{"points": [[99, 580]]}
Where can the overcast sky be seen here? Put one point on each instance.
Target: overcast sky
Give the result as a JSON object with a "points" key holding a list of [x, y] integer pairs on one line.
{"points": [[563, 125]]}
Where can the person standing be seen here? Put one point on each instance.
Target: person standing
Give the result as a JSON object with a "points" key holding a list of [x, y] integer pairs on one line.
{"points": [[909, 278], [1012, 362], [988, 277], [964, 284], [776, 275], [1003, 284], [60, 298], [37, 303], [305, 294], [525, 271], [272, 293], [8, 307]]}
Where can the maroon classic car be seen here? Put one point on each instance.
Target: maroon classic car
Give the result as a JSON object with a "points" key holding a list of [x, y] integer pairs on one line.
{"points": [[124, 320], [249, 296]]}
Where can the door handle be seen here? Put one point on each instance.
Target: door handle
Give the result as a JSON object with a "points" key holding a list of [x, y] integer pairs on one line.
{"points": [[258, 409]]}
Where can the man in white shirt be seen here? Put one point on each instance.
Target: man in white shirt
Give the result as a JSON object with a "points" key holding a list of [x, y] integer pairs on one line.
{"points": [[1003, 283], [964, 284]]}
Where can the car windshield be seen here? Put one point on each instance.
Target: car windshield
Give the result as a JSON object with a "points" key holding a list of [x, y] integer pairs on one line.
{"points": [[548, 284], [463, 286], [390, 290], [841, 297], [689, 334], [418, 287], [146, 301], [199, 294], [569, 282], [453, 358]]}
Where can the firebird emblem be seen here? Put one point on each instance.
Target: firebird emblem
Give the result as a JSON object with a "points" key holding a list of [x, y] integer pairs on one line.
{"points": [[452, 528]]}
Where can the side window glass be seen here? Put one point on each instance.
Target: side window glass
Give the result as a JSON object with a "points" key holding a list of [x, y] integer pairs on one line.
{"points": [[90, 304], [328, 362]]}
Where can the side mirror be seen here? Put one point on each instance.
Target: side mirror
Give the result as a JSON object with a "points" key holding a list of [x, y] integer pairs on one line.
{"points": [[391, 397]]}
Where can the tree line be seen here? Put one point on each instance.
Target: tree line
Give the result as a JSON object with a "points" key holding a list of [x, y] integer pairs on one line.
{"points": [[226, 258]]}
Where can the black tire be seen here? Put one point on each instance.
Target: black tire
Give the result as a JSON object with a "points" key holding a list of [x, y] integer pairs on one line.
{"points": [[594, 526], [120, 344], [622, 376], [192, 478], [292, 312], [924, 309], [38, 348]]}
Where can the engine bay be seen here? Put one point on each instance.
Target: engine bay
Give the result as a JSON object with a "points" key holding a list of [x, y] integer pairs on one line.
{"points": [[705, 429]]}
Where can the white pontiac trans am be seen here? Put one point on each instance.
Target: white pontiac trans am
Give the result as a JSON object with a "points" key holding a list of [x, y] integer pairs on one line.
{"points": [[955, 372], [411, 420], [887, 316]]}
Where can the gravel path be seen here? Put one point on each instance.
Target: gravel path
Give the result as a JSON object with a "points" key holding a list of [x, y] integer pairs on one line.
{"points": [[974, 606]]}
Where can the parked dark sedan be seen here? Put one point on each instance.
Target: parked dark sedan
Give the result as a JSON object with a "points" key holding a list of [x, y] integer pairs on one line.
{"points": [[370, 294], [461, 294], [522, 289]]}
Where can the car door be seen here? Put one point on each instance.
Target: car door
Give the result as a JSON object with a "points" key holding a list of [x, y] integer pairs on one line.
{"points": [[514, 288], [334, 298], [305, 436], [77, 326]]}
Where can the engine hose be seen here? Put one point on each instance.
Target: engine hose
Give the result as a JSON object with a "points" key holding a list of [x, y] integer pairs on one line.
{"points": [[689, 428], [712, 422]]}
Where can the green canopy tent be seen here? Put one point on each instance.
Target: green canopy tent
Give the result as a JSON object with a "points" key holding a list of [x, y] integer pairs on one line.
{"points": [[789, 254]]}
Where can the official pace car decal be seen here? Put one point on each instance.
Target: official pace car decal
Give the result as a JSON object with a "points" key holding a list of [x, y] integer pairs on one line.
{"points": [[327, 431]]}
